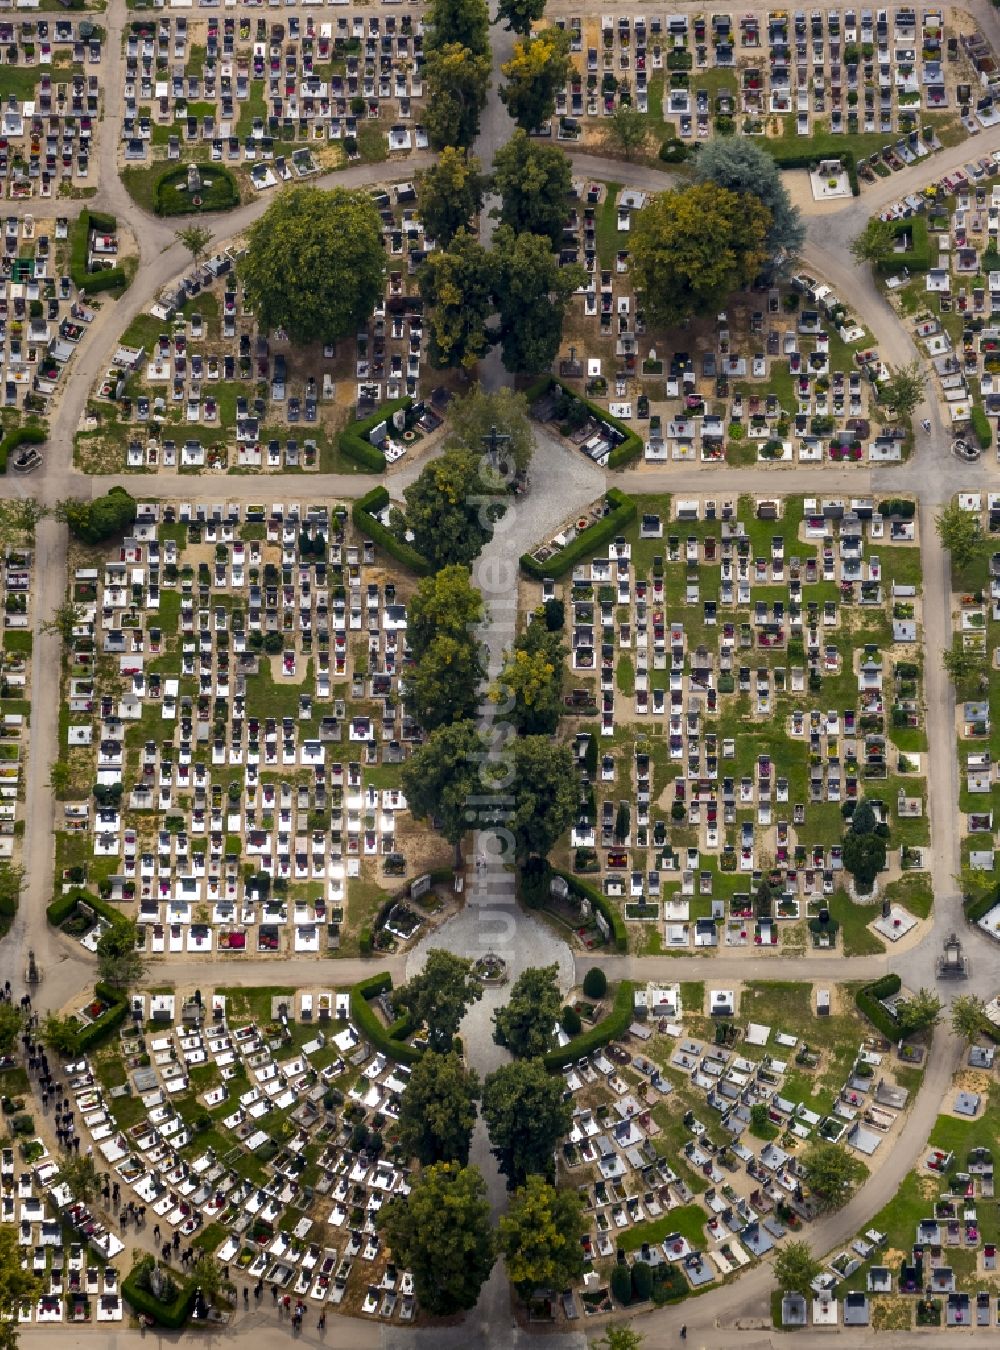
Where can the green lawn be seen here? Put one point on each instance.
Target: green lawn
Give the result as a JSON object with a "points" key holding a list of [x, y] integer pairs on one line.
{"points": [[688, 1220], [608, 238], [19, 81]]}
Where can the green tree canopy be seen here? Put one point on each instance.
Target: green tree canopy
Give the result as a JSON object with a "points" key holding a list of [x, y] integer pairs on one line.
{"points": [[904, 390], [444, 603], [532, 675], [443, 687], [795, 1268], [875, 242], [864, 857], [964, 664], [466, 22], [60, 1033], [196, 239], [692, 246], [472, 418], [437, 998], [534, 181], [527, 1021], [968, 1017], [832, 1173], [539, 1237], [532, 292], [620, 1337], [740, 165], [450, 509], [103, 518], [315, 265], [961, 533], [79, 1173], [526, 1117], [538, 68], [546, 793], [17, 1286], [120, 963], [519, 15], [456, 285], [442, 1233], [920, 1011], [626, 130], [438, 1110], [457, 84], [451, 193], [442, 774]]}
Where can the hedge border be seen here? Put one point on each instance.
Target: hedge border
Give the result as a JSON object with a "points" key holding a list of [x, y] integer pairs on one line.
{"points": [[93, 282], [805, 160], [63, 906], [623, 512], [362, 513], [981, 426], [101, 1028], [390, 1040], [601, 902], [171, 1315], [353, 440], [30, 434], [915, 259], [617, 1022], [869, 1004], [205, 209], [631, 447]]}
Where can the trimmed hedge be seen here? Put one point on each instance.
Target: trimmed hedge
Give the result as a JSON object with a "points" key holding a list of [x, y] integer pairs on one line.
{"points": [[868, 1002], [617, 1022], [353, 440], [917, 257], [64, 905], [390, 1040], [806, 160], [981, 427], [171, 1315], [32, 434], [102, 1027], [623, 512], [170, 199], [601, 903], [976, 909], [108, 278], [629, 449], [362, 513]]}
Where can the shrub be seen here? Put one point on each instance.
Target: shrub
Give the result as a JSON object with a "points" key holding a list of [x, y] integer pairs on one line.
{"points": [[570, 1020], [621, 1284], [362, 513], [32, 434], [23, 1124], [595, 983], [642, 1281]]}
